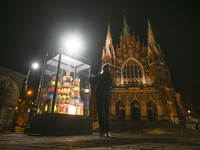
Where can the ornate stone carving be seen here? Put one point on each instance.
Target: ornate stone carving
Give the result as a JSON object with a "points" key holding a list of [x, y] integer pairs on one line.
{"points": [[161, 80], [143, 103], [127, 96], [120, 96], [128, 103], [142, 96], [148, 77]]}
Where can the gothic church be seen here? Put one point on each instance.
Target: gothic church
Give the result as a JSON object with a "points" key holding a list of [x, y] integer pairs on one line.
{"points": [[142, 87]]}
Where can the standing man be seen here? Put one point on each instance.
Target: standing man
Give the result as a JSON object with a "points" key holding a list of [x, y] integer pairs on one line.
{"points": [[102, 97]]}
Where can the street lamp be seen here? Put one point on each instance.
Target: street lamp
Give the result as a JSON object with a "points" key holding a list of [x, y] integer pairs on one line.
{"points": [[73, 44], [29, 92], [34, 66]]}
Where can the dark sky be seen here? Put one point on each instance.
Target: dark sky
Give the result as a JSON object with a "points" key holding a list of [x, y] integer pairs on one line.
{"points": [[28, 27]]}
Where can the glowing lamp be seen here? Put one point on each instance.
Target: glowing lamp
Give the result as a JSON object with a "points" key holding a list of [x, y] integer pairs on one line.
{"points": [[188, 111], [35, 65], [74, 43], [29, 92]]}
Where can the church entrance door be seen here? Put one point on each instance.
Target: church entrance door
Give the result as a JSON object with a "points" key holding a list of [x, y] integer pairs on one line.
{"points": [[135, 111], [120, 110], [150, 114], [122, 115], [152, 110]]}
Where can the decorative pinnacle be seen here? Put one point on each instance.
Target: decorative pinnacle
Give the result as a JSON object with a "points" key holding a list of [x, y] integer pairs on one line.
{"points": [[149, 24], [108, 26], [124, 16], [138, 37]]}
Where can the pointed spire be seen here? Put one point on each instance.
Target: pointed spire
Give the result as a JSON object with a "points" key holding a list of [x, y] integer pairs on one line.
{"points": [[108, 51], [152, 44], [124, 18], [138, 38], [149, 24], [150, 32], [151, 39], [125, 26], [108, 37]]}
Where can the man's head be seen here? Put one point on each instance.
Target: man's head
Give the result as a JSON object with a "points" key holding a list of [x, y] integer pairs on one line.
{"points": [[106, 67]]}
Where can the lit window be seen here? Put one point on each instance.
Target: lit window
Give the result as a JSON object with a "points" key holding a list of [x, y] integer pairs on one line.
{"points": [[132, 73]]}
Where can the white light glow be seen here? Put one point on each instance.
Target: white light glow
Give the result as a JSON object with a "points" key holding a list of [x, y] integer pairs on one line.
{"points": [[72, 110], [35, 65], [73, 43]]}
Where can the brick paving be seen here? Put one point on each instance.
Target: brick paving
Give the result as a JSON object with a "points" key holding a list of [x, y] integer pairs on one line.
{"points": [[122, 138], [93, 142]]}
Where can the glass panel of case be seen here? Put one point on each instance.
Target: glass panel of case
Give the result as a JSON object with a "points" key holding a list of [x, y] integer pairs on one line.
{"points": [[72, 94], [48, 86]]}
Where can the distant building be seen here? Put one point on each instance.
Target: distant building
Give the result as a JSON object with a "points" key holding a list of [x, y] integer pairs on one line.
{"points": [[142, 86], [8, 113]]}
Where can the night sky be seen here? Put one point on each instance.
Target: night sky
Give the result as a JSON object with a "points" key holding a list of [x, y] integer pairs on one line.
{"points": [[28, 28]]}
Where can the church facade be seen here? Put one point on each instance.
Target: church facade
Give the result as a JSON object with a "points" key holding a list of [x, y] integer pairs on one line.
{"points": [[142, 87]]}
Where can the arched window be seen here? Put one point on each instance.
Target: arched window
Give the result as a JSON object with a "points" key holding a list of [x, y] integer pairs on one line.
{"points": [[132, 73]]}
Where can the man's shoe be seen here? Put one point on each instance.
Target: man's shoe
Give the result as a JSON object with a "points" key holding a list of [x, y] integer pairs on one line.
{"points": [[102, 134], [108, 135]]}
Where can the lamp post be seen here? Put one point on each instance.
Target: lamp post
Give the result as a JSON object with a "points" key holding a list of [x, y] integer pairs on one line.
{"points": [[33, 110], [34, 66]]}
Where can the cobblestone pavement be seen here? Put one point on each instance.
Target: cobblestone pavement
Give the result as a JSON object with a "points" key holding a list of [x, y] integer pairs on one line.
{"points": [[125, 140]]}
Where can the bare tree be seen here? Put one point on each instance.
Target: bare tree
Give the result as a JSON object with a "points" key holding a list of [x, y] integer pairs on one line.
{"points": [[8, 88]]}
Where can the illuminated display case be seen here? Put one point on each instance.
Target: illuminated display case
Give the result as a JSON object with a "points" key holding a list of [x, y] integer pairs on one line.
{"points": [[72, 90], [64, 96]]}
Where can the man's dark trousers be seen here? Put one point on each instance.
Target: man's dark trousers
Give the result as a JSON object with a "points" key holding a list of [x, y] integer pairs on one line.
{"points": [[102, 108]]}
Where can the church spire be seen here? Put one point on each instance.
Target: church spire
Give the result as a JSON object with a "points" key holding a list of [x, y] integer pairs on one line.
{"points": [[150, 33], [108, 37], [108, 53], [152, 44], [153, 47], [125, 26]]}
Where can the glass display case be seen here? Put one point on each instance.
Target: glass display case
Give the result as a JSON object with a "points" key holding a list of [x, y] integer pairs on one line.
{"points": [[71, 95], [64, 95]]}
